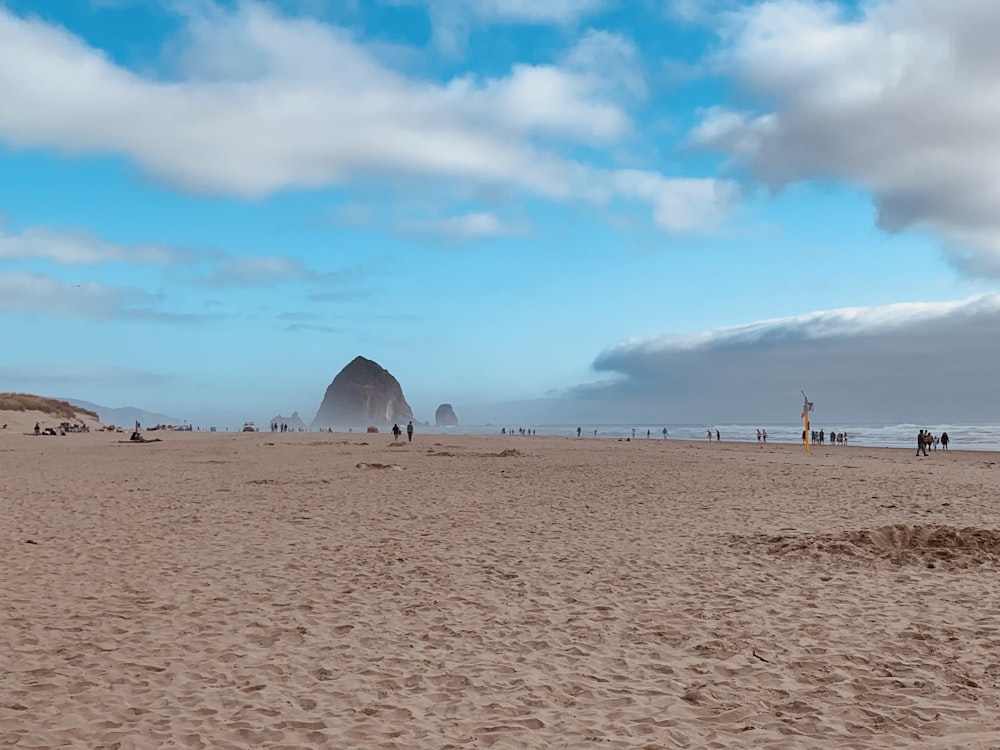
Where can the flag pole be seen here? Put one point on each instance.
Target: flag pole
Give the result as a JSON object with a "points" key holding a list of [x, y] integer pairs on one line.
{"points": [[807, 407]]}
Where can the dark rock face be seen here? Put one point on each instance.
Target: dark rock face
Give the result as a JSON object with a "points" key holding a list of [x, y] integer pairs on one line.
{"points": [[363, 393], [445, 416]]}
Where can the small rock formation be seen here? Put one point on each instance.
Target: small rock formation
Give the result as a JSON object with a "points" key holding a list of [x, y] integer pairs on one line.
{"points": [[363, 393], [294, 422], [445, 416]]}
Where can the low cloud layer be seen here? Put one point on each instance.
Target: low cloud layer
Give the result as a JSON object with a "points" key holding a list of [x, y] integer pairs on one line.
{"points": [[900, 363], [898, 97]]}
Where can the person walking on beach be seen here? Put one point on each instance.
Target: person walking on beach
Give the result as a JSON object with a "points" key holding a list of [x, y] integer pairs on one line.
{"points": [[664, 433], [758, 434], [409, 431], [764, 435], [944, 441], [717, 438], [396, 432], [710, 435], [921, 443]]}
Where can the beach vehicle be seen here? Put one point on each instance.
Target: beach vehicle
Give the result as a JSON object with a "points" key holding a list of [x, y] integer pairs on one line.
{"points": [[249, 427]]}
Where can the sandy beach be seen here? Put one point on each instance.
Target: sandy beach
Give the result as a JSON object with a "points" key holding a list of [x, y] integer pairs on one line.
{"points": [[329, 590]]}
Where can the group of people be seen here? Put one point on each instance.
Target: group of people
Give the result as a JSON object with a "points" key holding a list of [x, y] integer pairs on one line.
{"points": [[275, 427], [396, 432], [761, 435], [926, 439], [820, 437], [528, 431]]}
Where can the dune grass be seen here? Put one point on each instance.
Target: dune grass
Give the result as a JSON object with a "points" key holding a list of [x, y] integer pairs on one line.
{"points": [[31, 402]]}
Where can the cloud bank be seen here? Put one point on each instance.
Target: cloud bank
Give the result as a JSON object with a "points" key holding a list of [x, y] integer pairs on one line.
{"points": [[904, 363]]}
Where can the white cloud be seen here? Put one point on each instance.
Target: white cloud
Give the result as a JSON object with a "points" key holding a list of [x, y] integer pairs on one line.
{"points": [[900, 98], [452, 20], [45, 295], [79, 248], [251, 271], [699, 11], [848, 321], [267, 103], [529, 11], [463, 228], [31, 292], [679, 205], [210, 268]]}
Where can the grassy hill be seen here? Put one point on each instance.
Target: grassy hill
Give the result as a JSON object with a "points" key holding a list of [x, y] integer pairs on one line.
{"points": [[30, 402]]}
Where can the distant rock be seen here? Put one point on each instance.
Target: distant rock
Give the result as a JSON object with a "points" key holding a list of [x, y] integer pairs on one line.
{"points": [[445, 416], [125, 416], [363, 393], [294, 422]]}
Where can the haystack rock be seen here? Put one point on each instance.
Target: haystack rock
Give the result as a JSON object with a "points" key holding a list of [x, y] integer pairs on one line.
{"points": [[363, 393], [445, 416]]}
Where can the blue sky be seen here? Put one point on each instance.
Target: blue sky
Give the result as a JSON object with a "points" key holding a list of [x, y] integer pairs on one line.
{"points": [[580, 210]]}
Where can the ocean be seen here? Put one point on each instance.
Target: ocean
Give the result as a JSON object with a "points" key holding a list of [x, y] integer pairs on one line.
{"points": [[980, 437]]}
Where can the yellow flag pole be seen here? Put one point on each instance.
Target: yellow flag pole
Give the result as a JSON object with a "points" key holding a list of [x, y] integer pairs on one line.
{"points": [[806, 408]]}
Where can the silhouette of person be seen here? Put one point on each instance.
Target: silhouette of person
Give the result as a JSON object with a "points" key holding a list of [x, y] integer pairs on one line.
{"points": [[944, 441], [409, 431], [921, 444], [578, 431], [396, 432], [664, 433], [717, 438]]}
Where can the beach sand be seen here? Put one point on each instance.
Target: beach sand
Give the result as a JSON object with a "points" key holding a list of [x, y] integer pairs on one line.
{"points": [[305, 590]]}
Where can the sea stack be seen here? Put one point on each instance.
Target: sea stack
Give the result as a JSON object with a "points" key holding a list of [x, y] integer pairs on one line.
{"points": [[363, 393], [445, 416], [294, 423]]}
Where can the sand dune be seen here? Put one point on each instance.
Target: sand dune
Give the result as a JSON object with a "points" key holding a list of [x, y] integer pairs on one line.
{"points": [[23, 422], [301, 590]]}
